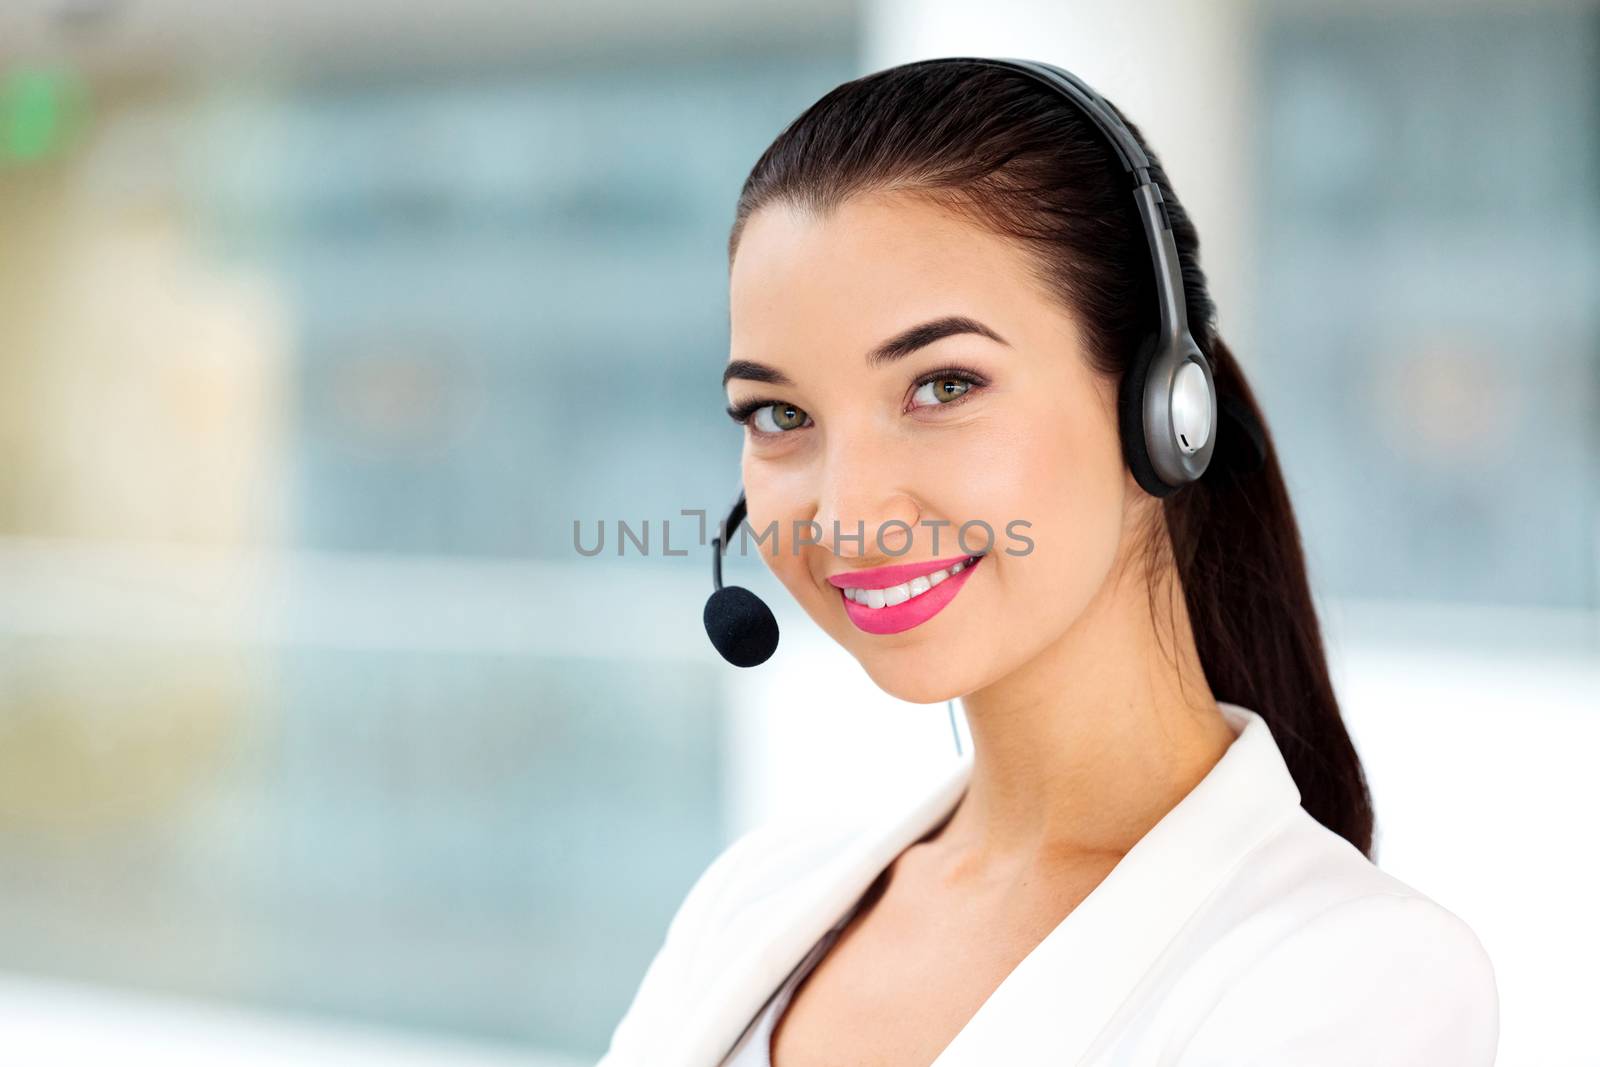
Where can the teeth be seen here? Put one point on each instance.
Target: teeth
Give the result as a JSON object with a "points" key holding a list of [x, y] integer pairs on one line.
{"points": [[899, 594]]}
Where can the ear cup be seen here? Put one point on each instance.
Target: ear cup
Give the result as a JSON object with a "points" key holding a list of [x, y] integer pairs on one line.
{"points": [[1130, 421]]}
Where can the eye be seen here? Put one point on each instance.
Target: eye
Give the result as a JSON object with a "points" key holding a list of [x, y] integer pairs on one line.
{"points": [[777, 418], [769, 418], [944, 387]]}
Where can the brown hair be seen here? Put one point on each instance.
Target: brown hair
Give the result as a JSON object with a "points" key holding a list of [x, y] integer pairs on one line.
{"points": [[1013, 156]]}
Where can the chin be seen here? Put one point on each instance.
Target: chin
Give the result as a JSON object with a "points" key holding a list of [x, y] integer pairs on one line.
{"points": [[915, 680], [916, 672]]}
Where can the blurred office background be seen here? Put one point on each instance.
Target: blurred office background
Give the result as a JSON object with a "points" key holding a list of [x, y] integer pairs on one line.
{"points": [[321, 324]]}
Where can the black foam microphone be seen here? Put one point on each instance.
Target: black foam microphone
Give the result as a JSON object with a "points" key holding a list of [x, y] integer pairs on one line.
{"points": [[739, 623]]}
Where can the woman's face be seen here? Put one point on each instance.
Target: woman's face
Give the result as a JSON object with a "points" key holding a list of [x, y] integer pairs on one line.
{"points": [[1021, 440]]}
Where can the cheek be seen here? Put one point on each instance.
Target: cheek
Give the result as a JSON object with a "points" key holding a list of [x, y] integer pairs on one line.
{"points": [[773, 497], [1057, 475], [1064, 479]]}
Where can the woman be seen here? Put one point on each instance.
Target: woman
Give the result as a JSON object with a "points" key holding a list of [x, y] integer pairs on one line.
{"points": [[1158, 851]]}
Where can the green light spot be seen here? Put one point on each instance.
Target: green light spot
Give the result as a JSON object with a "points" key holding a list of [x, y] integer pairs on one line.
{"points": [[37, 108]]}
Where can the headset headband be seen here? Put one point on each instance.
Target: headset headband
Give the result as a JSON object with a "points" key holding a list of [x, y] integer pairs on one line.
{"points": [[1152, 206]]}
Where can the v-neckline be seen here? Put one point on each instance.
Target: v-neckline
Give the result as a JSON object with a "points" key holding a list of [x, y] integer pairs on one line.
{"points": [[1092, 959], [867, 900]]}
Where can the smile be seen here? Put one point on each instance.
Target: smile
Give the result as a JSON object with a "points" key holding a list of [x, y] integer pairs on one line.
{"points": [[888, 600]]}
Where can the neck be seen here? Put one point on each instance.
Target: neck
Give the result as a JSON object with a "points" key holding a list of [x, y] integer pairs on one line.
{"points": [[1078, 753]]}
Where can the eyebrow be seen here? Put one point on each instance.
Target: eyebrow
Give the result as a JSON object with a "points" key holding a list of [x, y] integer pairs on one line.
{"points": [[899, 346]]}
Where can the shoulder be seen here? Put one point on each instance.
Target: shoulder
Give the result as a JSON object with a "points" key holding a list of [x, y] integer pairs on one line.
{"points": [[757, 860], [760, 859], [1355, 967]]}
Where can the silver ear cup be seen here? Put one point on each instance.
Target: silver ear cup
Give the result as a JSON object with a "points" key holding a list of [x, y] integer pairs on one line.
{"points": [[1191, 408], [1180, 413]]}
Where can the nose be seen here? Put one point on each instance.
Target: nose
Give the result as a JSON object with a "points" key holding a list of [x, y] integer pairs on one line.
{"points": [[861, 514]]}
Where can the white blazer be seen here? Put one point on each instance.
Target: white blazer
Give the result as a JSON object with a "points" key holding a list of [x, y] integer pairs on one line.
{"points": [[1238, 931]]}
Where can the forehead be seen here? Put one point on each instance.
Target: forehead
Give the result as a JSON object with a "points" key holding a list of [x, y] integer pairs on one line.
{"points": [[877, 263]]}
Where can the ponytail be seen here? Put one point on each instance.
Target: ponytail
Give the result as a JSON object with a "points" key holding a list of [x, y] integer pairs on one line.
{"points": [[1237, 548]]}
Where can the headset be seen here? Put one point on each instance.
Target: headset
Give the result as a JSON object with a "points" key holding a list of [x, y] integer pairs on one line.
{"points": [[1167, 402]]}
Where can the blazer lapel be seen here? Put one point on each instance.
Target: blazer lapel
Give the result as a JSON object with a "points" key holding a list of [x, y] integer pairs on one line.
{"points": [[1054, 1003], [764, 940]]}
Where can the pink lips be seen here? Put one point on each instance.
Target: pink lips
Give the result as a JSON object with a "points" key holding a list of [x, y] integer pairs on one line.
{"points": [[914, 612]]}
